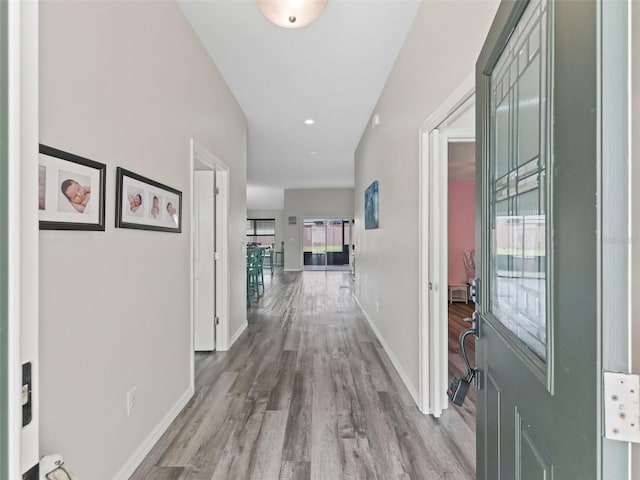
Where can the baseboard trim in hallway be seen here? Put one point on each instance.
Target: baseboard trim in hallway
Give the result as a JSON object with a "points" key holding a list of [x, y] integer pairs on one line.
{"points": [[396, 364], [239, 332], [145, 447]]}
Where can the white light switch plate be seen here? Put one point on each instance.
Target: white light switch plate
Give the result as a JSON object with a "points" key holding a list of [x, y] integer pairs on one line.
{"points": [[622, 407]]}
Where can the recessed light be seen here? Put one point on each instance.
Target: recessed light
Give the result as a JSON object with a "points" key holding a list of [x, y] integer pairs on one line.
{"points": [[309, 121], [313, 153]]}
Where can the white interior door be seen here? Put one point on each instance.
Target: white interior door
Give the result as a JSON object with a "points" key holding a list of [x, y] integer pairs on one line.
{"points": [[204, 291]]}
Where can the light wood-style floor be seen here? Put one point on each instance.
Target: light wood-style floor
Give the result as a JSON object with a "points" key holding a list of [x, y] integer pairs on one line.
{"points": [[307, 392]]}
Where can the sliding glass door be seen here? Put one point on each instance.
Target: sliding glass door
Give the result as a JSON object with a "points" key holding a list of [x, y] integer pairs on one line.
{"points": [[326, 243]]}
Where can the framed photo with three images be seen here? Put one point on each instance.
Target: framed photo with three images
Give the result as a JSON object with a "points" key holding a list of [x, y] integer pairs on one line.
{"points": [[145, 204], [71, 191]]}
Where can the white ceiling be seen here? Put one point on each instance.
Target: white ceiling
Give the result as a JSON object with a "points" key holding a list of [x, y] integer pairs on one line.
{"points": [[332, 71]]}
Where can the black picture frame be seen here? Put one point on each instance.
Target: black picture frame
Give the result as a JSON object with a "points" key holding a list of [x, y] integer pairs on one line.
{"points": [[85, 177], [144, 204]]}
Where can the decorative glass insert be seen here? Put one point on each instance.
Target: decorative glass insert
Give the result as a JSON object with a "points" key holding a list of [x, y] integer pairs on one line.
{"points": [[518, 182]]}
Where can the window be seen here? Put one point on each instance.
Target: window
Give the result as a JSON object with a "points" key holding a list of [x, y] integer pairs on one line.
{"points": [[261, 231]]}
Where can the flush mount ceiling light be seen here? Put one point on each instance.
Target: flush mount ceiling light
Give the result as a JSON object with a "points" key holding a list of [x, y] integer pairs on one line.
{"points": [[309, 121], [291, 13]]}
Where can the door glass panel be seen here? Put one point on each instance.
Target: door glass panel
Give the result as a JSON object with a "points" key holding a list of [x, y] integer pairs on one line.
{"points": [[314, 243], [518, 285]]}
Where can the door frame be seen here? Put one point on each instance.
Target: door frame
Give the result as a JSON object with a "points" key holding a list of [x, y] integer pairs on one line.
{"points": [[22, 232], [5, 327], [433, 207], [199, 154]]}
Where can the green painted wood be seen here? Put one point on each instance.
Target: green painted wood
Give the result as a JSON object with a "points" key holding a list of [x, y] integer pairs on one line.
{"points": [[546, 415], [4, 321]]}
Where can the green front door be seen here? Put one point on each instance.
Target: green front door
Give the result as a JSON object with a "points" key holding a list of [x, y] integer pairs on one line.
{"points": [[4, 321], [537, 153]]}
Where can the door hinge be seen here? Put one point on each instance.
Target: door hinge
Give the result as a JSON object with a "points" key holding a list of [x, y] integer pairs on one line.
{"points": [[622, 407], [216, 320], [216, 190], [216, 256]]}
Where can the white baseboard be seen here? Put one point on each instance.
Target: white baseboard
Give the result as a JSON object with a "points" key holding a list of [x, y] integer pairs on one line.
{"points": [[291, 269], [143, 450], [403, 375], [236, 335]]}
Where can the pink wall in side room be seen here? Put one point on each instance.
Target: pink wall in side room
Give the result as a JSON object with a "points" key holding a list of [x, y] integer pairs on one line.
{"points": [[462, 197]]}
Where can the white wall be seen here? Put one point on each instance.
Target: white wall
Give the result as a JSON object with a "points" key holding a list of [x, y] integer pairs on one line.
{"points": [[440, 50], [311, 203], [278, 215], [126, 84]]}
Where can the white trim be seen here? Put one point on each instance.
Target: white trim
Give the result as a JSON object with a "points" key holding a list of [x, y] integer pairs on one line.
{"points": [[223, 276], [145, 447], [23, 234], [394, 361], [192, 347], [13, 300], [433, 174], [438, 248], [236, 335]]}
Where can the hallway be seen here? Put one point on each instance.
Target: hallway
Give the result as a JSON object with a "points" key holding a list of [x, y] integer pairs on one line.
{"points": [[308, 392]]}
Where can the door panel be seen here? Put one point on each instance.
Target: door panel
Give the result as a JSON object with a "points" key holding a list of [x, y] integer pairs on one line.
{"points": [[493, 435], [534, 461], [204, 268], [537, 164]]}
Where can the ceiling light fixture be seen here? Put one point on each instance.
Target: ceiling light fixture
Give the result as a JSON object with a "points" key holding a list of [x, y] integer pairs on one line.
{"points": [[309, 121], [291, 13]]}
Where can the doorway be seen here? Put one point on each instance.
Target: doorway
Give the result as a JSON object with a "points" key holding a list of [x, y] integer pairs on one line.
{"points": [[326, 243], [209, 253], [447, 162]]}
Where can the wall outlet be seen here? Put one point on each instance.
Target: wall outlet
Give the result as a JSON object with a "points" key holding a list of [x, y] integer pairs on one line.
{"points": [[131, 401]]}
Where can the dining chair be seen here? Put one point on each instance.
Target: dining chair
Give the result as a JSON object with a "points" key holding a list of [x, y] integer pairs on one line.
{"points": [[254, 273], [268, 257]]}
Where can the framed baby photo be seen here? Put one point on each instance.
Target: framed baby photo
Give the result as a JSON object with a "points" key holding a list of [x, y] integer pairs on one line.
{"points": [[145, 204], [71, 191]]}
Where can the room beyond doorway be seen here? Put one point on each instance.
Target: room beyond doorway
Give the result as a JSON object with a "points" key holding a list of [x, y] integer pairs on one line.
{"points": [[326, 243]]}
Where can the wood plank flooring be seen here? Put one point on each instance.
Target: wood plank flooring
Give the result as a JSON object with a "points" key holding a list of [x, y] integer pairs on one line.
{"points": [[307, 392]]}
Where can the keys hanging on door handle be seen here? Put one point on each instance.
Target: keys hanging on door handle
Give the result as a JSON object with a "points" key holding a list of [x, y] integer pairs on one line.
{"points": [[459, 387]]}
